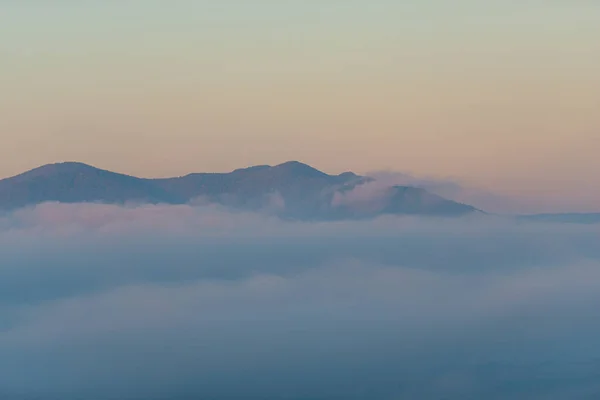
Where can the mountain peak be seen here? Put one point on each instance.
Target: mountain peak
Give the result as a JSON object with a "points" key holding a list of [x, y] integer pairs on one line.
{"points": [[252, 168], [67, 164], [298, 168], [348, 175], [55, 168]]}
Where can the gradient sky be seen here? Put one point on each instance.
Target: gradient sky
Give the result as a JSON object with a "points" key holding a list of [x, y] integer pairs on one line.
{"points": [[504, 94]]}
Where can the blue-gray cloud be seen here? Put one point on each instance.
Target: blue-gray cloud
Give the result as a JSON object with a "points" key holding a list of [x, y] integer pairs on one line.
{"points": [[182, 302]]}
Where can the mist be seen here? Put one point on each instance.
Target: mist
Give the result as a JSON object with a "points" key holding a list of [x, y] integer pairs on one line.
{"points": [[186, 302], [490, 199]]}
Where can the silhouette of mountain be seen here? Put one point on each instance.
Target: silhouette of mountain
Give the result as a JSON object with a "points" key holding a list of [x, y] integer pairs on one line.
{"points": [[72, 182], [292, 190], [570, 218]]}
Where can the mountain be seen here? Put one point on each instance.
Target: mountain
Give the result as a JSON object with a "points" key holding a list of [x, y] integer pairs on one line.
{"points": [[76, 182], [566, 218], [292, 190]]}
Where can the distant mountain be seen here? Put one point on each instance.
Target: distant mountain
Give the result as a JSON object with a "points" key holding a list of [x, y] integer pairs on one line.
{"points": [[292, 190], [566, 218], [77, 182]]}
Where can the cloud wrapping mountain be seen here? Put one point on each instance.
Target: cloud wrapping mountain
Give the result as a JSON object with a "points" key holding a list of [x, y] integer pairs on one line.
{"points": [[185, 302], [292, 190]]}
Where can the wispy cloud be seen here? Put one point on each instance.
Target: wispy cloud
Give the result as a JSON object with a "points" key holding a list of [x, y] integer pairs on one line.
{"points": [[493, 201]]}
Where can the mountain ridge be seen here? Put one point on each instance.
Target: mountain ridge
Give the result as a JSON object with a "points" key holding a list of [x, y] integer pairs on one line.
{"points": [[291, 189]]}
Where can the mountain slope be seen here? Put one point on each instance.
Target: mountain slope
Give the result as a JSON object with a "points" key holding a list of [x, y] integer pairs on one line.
{"points": [[292, 189], [362, 201], [74, 183], [301, 189], [568, 218]]}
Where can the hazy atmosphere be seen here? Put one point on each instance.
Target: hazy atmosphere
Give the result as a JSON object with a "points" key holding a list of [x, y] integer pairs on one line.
{"points": [[181, 302], [499, 94], [299, 200]]}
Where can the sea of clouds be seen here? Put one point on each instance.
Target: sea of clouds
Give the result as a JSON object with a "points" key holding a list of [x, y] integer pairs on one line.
{"points": [[200, 302]]}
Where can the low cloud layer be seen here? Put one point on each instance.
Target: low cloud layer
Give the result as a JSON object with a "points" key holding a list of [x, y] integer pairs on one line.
{"points": [[182, 302]]}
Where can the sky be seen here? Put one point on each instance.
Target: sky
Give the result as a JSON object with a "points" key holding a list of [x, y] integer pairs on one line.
{"points": [[499, 94], [180, 302]]}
